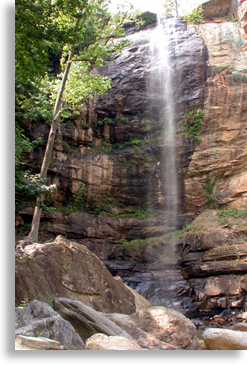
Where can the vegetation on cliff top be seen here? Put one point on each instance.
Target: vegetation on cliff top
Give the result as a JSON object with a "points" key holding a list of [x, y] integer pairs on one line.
{"points": [[172, 8], [195, 17]]}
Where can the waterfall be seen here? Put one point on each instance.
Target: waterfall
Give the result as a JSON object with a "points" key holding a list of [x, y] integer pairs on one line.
{"points": [[163, 104]]}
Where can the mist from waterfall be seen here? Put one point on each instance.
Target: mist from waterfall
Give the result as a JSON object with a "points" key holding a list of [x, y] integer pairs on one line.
{"points": [[163, 106]]}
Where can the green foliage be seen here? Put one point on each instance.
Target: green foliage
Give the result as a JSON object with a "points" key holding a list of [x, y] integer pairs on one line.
{"points": [[191, 124], [171, 7], [78, 203], [44, 25], [195, 17], [98, 207], [33, 29], [144, 19], [133, 142], [45, 28], [89, 26], [82, 84], [24, 302], [28, 186], [225, 215], [229, 18], [209, 189], [104, 121]]}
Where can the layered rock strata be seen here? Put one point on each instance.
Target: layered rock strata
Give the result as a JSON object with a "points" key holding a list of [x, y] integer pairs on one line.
{"points": [[219, 161], [214, 260]]}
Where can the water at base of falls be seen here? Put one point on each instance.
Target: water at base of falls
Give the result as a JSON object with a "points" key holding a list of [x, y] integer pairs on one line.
{"points": [[163, 106]]}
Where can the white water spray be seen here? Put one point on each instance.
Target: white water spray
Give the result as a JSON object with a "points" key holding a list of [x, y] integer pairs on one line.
{"points": [[163, 104]]}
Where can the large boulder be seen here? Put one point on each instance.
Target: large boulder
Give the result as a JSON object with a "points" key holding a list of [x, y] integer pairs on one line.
{"points": [[67, 269], [38, 319], [86, 320], [145, 339], [216, 8], [224, 339], [168, 326]]}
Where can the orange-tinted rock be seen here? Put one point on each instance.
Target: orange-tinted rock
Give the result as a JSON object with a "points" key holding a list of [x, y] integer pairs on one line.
{"points": [[222, 154]]}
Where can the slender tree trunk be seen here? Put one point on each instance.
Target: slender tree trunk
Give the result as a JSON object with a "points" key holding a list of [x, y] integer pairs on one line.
{"points": [[33, 235], [176, 6]]}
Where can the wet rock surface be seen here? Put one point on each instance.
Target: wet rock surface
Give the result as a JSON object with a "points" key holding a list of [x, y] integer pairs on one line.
{"points": [[205, 279]]}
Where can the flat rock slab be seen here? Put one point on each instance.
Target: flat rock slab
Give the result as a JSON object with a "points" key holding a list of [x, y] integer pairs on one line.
{"points": [[36, 343], [104, 342], [224, 339]]}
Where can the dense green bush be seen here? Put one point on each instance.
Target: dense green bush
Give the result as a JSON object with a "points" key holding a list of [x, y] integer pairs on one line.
{"points": [[195, 17], [144, 19]]}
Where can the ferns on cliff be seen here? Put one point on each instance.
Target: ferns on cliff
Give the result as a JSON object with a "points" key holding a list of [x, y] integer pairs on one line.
{"points": [[191, 124]]}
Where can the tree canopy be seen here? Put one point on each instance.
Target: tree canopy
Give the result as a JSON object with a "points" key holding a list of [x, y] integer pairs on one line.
{"points": [[81, 35]]}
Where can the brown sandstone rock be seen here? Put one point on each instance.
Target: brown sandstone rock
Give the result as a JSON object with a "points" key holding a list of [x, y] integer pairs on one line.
{"points": [[239, 327], [215, 268], [222, 153], [168, 326], [224, 339], [242, 14], [145, 339], [216, 8], [100, 341], [213, 255], [66, 269]]}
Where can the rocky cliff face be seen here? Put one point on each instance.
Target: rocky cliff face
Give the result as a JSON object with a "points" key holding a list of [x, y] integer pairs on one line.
{"points": [[116, 146], [222, 154], [108, 165]]}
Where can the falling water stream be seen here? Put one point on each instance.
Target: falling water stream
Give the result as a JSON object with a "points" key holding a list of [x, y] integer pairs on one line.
{"points": [[163, 105], [161, 284]]}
